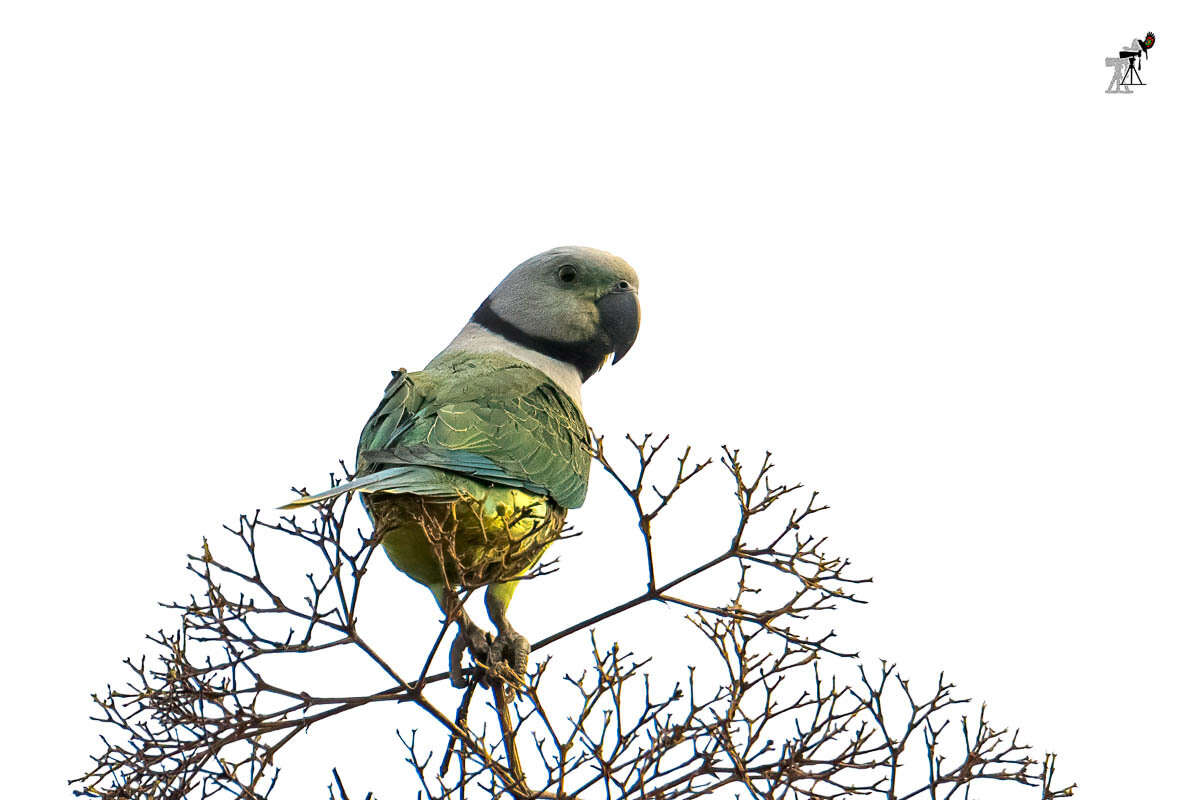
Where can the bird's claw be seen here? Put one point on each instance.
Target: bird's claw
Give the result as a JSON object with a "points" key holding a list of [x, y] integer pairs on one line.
{"points": [[514, 649], [504, 659], [478, 643], [510, 661]]}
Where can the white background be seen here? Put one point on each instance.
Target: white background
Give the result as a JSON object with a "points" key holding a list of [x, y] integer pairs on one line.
{"points": [[913, 248]]}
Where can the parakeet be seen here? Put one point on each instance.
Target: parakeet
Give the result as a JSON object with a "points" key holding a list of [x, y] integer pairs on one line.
{"points": [[467, 468]]}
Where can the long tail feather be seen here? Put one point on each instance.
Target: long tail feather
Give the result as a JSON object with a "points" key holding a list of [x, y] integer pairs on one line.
{"points": [[366, 482], [427, 481]]}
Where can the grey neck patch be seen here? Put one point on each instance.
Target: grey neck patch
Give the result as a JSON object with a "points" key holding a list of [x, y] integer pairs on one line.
{"points": [[474, 338]]}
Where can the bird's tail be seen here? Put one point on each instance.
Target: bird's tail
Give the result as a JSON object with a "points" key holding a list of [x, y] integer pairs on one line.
{"points": [[366, 483], [309, 499], [426, 481]]}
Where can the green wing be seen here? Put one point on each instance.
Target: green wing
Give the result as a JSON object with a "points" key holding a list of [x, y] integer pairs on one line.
{"points": [[487, 417]]}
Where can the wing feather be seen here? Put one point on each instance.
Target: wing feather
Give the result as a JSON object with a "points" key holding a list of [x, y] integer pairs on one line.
{"points": [[484, 416]]}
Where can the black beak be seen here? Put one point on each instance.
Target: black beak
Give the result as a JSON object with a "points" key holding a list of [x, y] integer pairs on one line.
{"points": [[620, 318]]}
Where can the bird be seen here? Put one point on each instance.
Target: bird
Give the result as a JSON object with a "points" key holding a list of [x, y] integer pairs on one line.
{"points": [[467, 468]]}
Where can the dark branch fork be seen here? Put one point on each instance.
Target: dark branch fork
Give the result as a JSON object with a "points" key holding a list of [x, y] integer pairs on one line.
{"points": [[771, 712]]}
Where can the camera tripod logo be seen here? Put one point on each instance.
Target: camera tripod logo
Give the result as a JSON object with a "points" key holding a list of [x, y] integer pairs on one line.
{"points": [[1127, 66]]}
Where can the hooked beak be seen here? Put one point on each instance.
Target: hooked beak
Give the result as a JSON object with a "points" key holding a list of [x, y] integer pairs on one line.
{"points": [[620, 318]]}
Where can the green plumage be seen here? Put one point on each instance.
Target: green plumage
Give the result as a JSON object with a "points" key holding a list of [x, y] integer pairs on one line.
{"points": [[487, 417]]}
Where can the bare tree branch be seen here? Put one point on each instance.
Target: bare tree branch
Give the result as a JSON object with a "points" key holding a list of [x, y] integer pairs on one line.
{"points": [[776, 712]]}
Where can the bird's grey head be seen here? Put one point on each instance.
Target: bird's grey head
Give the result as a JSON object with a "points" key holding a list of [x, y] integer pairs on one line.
{"points": [[574, 304]]}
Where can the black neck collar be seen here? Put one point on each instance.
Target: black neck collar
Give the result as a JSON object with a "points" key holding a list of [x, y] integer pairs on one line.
{"points": [[586, 356]]}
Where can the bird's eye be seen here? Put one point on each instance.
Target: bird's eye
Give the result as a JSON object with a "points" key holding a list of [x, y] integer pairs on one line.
{"points": [[624, 286], [566, 273]]}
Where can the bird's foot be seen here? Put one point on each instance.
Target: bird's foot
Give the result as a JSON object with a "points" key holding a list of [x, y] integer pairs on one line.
{"points": [[472, 637], [509, 659], [514, 650], [504, 659]]}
